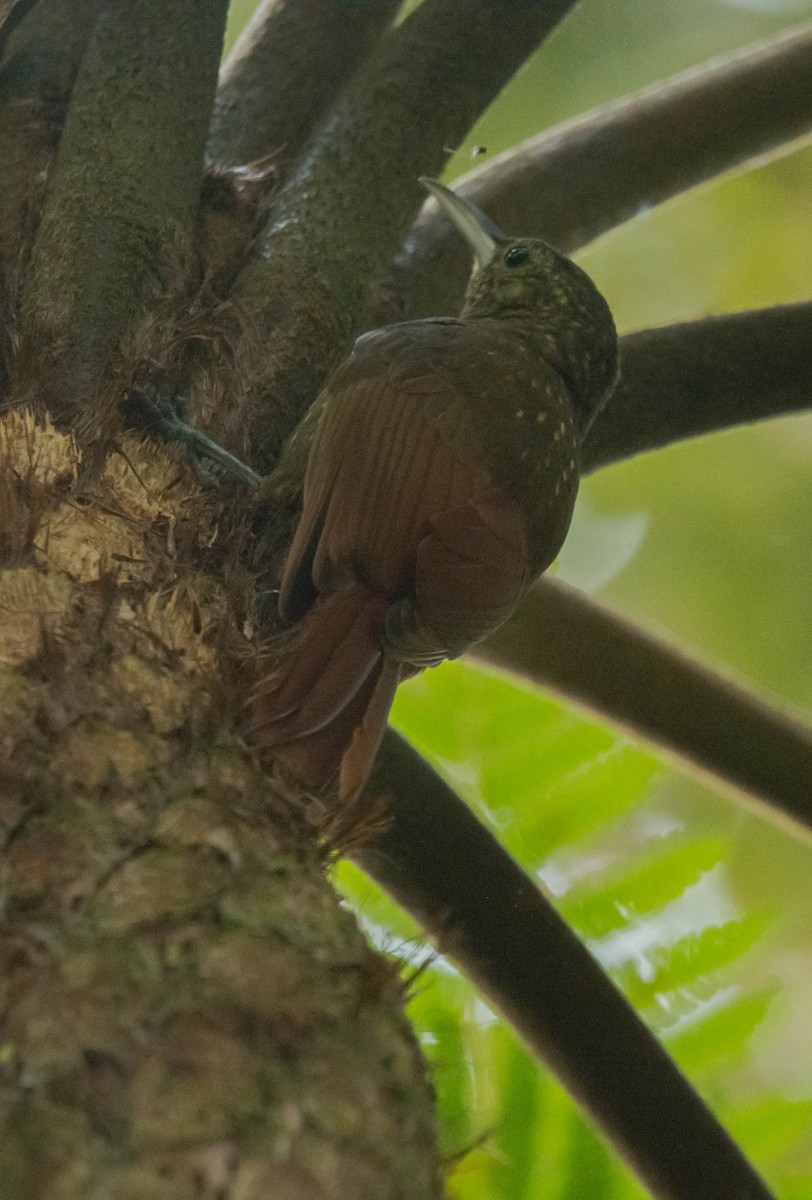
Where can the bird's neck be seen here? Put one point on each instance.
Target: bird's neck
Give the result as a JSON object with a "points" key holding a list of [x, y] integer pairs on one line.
{"points": [[535, 340], [564, 346]]}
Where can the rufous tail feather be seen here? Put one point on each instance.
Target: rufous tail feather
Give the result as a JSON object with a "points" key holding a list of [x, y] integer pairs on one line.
{"points": [[323, 709]]}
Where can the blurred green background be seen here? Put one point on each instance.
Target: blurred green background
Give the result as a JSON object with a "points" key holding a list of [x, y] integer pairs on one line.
{"points": [[700, 910]]}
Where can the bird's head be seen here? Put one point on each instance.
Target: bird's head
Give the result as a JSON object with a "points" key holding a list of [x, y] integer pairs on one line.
{"points": [[525, 280]]}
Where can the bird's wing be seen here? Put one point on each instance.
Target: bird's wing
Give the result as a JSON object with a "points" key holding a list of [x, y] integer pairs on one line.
{"points": [[381, 467], [470, 574]]}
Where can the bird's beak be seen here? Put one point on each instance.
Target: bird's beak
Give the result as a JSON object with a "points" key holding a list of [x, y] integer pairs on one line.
{"points": [[479, 231]]}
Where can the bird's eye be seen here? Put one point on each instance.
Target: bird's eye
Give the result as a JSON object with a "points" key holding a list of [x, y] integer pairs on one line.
{"points": [[516, 255]]}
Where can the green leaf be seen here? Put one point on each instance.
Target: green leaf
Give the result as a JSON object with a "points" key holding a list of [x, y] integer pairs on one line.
{"points": [[436, 1009], [537, 773], [628, 892], [689, 968], [717, 1036], [773, 1127], [521, 1089], [590, 1171]]}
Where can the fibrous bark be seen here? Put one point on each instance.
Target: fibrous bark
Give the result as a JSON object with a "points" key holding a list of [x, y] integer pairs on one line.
{"points": [[181, 993]]}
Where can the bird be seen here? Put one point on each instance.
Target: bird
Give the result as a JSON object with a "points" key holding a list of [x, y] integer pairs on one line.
{"points": [[439, 485]]}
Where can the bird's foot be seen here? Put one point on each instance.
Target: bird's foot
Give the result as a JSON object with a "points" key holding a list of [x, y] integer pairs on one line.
{"points": [[153, 405]]}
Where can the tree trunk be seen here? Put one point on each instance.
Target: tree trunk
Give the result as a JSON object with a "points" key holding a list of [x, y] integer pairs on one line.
{"points": [[186, 1008]]}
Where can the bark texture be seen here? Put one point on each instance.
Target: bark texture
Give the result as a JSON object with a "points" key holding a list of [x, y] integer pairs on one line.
{"points": [[117, 225], [285, 72], [185, 1009], [39, 59]]}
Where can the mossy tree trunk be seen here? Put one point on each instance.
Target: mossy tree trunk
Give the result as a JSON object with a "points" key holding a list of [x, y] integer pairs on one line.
{"points": [[186, 1009]]}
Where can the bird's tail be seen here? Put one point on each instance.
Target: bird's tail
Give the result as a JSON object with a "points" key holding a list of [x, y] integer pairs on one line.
{"points": [[323, 710]]}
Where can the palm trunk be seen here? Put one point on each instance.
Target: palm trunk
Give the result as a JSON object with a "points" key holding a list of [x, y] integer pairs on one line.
{"points": [[185, 1005]]}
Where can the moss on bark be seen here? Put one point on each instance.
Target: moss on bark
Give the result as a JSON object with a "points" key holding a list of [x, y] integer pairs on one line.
{"points": [[185, 1008]]}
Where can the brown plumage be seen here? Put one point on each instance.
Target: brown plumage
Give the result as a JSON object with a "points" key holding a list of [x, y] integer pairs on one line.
{"points": [[439, 485]]}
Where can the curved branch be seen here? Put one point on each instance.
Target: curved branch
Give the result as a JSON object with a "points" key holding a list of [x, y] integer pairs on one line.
{"points": [[677, 382], [492, 920], [330, 236], [118, 214], [684, 380], [562, 640], [40, 51], [574, 182], [285, 71]]}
